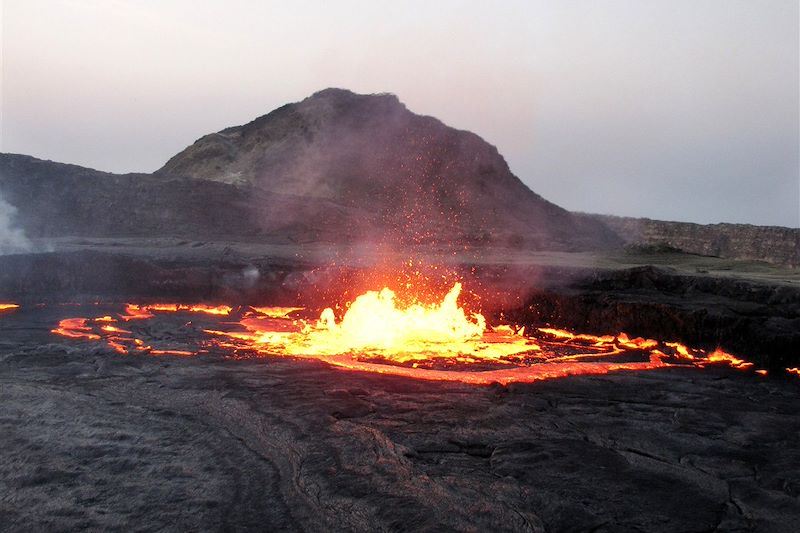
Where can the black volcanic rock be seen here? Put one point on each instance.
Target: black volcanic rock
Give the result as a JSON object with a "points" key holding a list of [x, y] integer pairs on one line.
{"points": [[344, 166], [90, 439]]}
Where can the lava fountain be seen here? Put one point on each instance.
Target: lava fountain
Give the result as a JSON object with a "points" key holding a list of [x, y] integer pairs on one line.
{"points": [[375, 326], [437, 341]]}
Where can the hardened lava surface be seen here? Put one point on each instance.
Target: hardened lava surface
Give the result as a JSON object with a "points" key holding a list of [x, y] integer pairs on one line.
{"points": [[93, 439]]}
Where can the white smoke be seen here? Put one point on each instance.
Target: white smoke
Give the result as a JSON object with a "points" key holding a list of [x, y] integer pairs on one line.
{"points": [[12, 239]]}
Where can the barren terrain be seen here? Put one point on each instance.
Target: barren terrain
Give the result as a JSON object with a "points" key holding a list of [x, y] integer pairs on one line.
{"points": [[90, 439]]}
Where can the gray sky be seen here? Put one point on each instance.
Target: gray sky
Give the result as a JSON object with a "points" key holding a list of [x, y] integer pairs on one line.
{"points": [[670, 109]]}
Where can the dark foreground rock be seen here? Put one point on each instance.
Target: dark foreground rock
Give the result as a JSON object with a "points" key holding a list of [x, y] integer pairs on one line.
{"points": [[94, 440]]}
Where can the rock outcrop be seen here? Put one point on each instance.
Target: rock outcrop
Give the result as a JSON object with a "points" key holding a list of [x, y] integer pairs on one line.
{"points": [[735, 241]]}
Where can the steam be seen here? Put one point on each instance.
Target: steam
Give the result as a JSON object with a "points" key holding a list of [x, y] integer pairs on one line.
{"points": [[12, 239]]}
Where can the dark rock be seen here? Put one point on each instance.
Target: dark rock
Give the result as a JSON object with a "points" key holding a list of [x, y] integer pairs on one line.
{"points": [[206, 443], [55, 199], [757, 321]]}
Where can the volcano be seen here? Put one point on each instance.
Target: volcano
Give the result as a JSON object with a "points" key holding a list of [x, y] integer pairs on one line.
{"points": [[303, 206], [335, 167]]}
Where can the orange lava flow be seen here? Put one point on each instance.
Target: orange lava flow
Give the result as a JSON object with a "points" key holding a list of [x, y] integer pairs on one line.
{"points": [[439, 341], [122, 340], [136, 312], [8, 306], [211, 310], [75, 328], [718, 356], [275, 312]]}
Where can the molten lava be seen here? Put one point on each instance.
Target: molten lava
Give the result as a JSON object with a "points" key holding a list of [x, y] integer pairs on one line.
{"points": [[8, 306], [438, 341], [76, 328], [375, 326], [137, 312]]}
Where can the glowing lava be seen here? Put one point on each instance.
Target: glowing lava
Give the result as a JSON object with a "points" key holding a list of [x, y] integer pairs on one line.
{"points": [[439, 341], [122, 340], [375, 326], [75, 328], [137, 312], [8, 306]]}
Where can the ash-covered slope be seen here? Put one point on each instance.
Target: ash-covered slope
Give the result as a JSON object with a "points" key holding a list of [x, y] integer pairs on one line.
{"points": [[339, 165]]}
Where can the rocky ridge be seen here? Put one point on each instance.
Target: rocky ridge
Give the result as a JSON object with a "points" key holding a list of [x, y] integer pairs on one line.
{"points": [[364, 167], [335, 167], [772, 244]]}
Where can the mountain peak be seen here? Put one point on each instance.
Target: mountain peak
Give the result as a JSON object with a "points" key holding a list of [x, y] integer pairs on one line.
{"points": [[360, 165], [346, 96]]}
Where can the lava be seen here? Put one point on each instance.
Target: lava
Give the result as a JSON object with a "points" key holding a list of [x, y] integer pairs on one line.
{"points": [[8, 306], [124, 341], [375, 326], [437, 341], [135, 312], [275, 312], [75, 328], [718, 356]]}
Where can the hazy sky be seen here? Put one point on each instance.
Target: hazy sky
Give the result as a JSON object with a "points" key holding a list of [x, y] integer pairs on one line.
{"points": [[671, 109]]}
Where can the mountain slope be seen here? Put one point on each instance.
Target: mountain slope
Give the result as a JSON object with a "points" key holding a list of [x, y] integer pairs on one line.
{"points": [[363, 166], [335, 167], [57, 199]]}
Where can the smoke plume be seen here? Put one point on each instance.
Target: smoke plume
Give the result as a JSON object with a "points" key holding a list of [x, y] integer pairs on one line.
{"points": [[12, 239]]}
